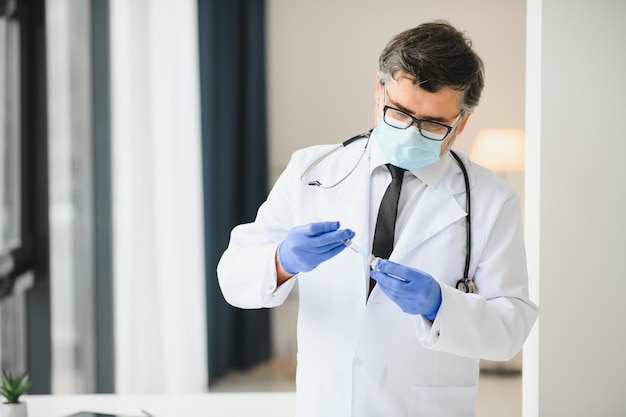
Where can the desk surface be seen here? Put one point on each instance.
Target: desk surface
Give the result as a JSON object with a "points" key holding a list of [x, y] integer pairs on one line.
{"points": [[275, 404]]}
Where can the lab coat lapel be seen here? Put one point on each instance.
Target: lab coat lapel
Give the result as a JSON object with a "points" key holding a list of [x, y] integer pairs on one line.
{"points": [[436, 210]]}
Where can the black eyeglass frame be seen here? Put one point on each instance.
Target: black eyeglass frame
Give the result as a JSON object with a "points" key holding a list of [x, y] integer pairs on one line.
{"points": [[418, 122]]}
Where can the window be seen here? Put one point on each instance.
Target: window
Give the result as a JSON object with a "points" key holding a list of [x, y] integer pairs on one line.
{"points": [[24, 278], [12, 308], [10, 180]]}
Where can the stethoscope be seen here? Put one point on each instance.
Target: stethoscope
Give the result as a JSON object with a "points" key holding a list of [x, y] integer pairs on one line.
{"points": [[465, 284]]}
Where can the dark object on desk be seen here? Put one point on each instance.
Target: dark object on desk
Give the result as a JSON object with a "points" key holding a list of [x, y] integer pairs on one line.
{"points": [[89, 414]]}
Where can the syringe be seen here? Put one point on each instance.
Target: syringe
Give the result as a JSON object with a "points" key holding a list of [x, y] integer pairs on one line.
{"points": [[371, 260], [368, 258]]}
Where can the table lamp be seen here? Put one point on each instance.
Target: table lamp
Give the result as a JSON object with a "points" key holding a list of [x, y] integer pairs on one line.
{"points": [[500, 150]]}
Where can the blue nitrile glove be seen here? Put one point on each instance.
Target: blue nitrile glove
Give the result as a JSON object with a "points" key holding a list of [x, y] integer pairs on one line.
{"points": [[307, 246], [414, 291]]}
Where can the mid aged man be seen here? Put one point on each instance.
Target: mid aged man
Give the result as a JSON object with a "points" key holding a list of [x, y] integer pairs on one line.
{"points": [[449, 281]]}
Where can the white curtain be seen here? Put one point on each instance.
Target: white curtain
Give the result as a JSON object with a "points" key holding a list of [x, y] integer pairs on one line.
{"points": [[157, 193]]}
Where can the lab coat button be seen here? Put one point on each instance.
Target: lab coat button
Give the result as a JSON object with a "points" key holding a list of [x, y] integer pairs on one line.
{"points": [[437, 333], [359, 363]]}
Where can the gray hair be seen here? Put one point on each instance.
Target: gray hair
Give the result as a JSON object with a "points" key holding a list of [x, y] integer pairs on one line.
{"points": [[438, 56]]}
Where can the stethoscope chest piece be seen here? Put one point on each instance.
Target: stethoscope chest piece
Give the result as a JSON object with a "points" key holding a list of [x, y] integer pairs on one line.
{"points": [[466, 285]]}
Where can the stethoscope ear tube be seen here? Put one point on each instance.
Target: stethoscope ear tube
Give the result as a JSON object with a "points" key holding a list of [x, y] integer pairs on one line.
{"points": [[316, 183], [365, 135]]}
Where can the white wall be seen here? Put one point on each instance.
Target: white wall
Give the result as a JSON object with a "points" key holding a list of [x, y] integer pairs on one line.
{"points": [[575, 219]]}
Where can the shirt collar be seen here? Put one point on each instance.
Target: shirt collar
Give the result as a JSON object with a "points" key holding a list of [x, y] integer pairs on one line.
{"points": [[430, 175]]}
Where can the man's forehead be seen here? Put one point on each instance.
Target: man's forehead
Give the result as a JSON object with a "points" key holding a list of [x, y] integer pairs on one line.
{"points": [[408, 96]]}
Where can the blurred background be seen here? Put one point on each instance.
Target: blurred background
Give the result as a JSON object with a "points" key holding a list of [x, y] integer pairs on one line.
{"points": [[135, 135]]}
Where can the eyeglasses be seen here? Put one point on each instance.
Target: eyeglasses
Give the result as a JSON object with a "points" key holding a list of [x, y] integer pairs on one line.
{"points": [[428, 128]]}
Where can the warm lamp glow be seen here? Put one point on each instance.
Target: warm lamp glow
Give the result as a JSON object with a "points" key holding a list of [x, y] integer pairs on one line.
{"points": [[500, 150]]}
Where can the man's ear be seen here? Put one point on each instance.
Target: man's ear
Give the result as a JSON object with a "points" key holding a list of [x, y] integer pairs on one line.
{"points": [[378, 100], [463, 123], [378, 90], [448, 142]]}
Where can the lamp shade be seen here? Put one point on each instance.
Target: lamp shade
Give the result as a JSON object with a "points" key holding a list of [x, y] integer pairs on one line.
{"points": [[500, 150]]}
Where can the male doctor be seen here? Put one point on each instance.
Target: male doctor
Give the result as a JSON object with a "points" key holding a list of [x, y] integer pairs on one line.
{"points": [[412, 346]]}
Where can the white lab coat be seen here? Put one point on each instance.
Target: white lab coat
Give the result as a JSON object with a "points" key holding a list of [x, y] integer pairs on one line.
{"points": [[358, 358]]}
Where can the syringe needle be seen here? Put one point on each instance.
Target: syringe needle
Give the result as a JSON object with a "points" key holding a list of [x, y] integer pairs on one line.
{"points": [[349, 243], [367, 257]]}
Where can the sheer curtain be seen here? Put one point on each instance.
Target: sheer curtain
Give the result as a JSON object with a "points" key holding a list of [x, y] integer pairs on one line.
{"points": [[160, 327]]}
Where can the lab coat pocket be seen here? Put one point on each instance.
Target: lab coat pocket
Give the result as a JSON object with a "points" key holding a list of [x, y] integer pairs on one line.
{"points": [[443, 401]]}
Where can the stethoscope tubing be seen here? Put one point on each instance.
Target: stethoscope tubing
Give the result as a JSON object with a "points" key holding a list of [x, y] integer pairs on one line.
{"points": [[468, 206]]}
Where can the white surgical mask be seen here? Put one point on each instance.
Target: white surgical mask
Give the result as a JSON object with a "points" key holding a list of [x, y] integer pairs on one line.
{"points": [[406, 148]]}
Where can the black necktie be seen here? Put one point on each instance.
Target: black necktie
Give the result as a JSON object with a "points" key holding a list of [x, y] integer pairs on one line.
{"points": [[386, 220]]}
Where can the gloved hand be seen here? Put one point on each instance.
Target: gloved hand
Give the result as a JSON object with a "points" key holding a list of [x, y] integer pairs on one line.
{"points": [[307, 246], [414, 291]]}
